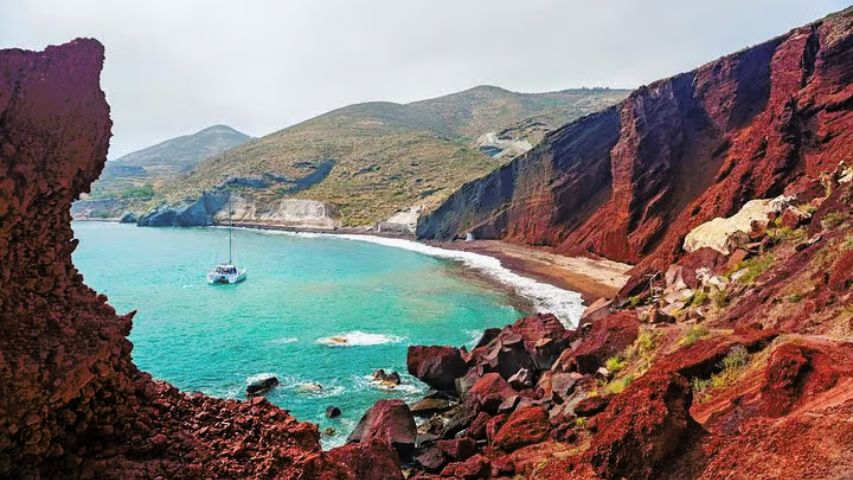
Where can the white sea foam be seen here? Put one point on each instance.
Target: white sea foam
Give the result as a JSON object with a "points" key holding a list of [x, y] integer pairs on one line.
{"points": [[358, 338], [565, 304], [258, 377], [283, 341], [409, 388]]}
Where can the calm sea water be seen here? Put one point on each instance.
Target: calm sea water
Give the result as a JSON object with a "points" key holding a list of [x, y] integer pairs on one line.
{"points": [[300, 291]]}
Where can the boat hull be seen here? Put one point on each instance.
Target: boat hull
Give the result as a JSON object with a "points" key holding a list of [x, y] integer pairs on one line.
{"points": [[225, 279]]}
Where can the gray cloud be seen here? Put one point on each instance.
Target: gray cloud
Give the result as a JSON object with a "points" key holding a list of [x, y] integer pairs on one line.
{"points": [[174, 67]]}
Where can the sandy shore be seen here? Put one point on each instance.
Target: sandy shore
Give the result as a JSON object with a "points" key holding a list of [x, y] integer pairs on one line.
{"points": [[592, 278]]}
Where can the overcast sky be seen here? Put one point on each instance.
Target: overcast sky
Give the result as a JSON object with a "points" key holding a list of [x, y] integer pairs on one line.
{"points": [[176, 66]]}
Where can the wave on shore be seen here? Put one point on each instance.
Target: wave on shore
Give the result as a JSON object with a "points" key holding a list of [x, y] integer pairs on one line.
{"points": [[565, 304]]}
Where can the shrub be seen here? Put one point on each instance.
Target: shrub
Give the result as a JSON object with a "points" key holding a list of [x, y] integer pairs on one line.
{"points": [[699, 298], [615, 364], [634, 300], [580, 422], [143, 192], [693, 335], [619, 385], [731, 367], [794, 297], [642, 351], [720, 298]]}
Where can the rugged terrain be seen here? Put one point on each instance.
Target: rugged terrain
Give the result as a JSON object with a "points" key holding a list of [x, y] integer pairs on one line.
{"points": [[133, 180], [731, 359], [630, 182], [369, 161]]}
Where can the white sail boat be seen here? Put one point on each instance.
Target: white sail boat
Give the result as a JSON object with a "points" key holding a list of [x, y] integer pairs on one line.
{"points": [[227, 273]]}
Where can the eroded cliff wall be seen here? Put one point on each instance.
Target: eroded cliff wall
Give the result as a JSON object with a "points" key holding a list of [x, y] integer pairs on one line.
{"points": [[630, 182], [72, 403]]}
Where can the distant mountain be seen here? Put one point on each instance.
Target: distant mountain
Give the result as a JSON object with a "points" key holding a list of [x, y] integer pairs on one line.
{"points": [[371, 160], [133, 178]]}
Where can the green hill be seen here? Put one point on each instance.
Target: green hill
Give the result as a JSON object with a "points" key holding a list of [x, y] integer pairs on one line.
{"points": [[374, 159]]}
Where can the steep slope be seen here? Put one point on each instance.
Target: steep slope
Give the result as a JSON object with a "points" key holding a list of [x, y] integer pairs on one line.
{"points": [[630, 182], [371, 160], [72, 403], [135, 177]]}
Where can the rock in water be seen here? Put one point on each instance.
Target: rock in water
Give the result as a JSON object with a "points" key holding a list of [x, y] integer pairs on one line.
{"points": [[333, 412], [261, 387]]}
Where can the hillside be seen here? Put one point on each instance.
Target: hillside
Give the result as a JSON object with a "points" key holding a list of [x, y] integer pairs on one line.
{"points": [[134, 178], [373, 159], [628, 183]]}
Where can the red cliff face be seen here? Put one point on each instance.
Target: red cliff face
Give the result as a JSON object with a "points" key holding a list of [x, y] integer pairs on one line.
{"points": [[72, 404], [630, 182]]}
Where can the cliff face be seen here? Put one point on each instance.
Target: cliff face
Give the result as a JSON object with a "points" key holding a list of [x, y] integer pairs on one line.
{"points": [[630, 182], [72, 404]]}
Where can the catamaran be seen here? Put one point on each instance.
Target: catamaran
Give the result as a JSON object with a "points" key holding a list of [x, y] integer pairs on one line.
{"points": [[227, 273]]}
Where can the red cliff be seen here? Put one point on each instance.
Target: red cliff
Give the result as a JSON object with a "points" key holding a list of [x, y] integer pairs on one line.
{"points": [[72, 403], [630, 182]]}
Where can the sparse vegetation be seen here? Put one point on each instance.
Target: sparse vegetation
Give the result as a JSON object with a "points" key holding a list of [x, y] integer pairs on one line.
{"points": [[731, 367], [618, 385], [634, 300], [752, 268], [794, 297], [720, 297], [615, 364], [693, 335], [699, 298], [580, 422], [832, 220], [142, 192]]}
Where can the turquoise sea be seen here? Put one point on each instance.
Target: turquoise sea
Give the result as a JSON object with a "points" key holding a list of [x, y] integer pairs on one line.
{"points": [[300, 291]]}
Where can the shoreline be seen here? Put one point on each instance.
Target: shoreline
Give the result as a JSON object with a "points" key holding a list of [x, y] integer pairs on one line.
{"points": [[534, 278]]}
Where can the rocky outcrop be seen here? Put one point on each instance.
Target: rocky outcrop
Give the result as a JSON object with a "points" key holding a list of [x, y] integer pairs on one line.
{"points": [[198, 212], [726, 234], [630, 182], [72, 403], [211, 208]]}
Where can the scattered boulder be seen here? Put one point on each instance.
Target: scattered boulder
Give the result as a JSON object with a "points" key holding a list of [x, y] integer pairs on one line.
{"points": [[606, 338], [526, 425], [475, 467], [429, 406], [371, 460], [261, 387], [436, 366], [591, 406], [726, 234], [489, 392], [333, 412], [390, 421]]}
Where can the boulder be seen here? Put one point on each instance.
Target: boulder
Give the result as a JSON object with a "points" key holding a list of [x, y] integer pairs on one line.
{"points": [[475, 467], [725, 234], [607, 338], [371, 460], [521, 380], [333, 412], [429, 406], [526, 425], [261, 387], [489, 392], [436, 366], [457, 449], [387, 379], [591, 406], [642, 426], [389, 421], [431, 459]]}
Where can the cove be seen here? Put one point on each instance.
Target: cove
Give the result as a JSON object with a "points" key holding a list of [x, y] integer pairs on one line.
{"points": [[301, 290]]}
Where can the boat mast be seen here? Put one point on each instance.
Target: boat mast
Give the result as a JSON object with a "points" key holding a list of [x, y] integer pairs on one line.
{"points": [[229, 229]]}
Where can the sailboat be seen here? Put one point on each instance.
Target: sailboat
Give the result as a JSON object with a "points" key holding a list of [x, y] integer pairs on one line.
{"points": [[227, 273]]}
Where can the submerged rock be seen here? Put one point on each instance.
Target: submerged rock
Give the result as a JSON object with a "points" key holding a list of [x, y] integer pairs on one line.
{"points": [[261, 387]]}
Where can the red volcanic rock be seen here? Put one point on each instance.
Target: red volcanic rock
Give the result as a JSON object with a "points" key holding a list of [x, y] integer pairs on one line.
{"points": [[389, 421], [591, 406], [474, 468], [457, 449], [372, 460], [630, 182], [526, 425], [438, 367], [489, 391], [641, 427], [607, 337], [73, 404]]}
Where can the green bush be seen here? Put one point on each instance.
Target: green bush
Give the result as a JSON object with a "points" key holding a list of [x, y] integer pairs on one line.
{"points": [[615, 364], [754, 268], [619, 385], [720, 298], [731, 367], [699, 298], [143, 192]]}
